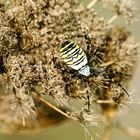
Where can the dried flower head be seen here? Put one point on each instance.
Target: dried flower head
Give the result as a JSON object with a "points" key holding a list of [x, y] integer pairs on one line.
{"points": [[17, 109], [21, 111], [31, 63], [125, 8]]}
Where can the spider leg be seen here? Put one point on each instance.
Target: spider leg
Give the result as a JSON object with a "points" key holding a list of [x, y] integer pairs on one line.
{"points": [[87, 92], [119, 84], [119, 73], [109, 74], [56, 65], [93, 55]]}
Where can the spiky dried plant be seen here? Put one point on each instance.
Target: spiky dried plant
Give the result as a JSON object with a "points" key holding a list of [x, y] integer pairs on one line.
{"points": [[31, 68]]}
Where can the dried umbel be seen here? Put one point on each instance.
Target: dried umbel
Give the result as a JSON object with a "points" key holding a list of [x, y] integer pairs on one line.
{"points": [[21, 111], [31, 61]]}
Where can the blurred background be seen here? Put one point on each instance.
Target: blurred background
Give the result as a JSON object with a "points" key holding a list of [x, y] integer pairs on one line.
{"points": [[69, 130]]}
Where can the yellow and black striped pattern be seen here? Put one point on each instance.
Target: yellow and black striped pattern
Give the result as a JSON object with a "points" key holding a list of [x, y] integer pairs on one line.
{"points": [[73, 55]]}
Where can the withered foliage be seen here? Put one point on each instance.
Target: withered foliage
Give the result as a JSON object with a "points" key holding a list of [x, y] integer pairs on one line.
{"points": [[31, 33]]}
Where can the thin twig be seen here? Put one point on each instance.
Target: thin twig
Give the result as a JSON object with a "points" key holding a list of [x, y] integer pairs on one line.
{"points": [[112, 19], [134, 101], [107, 63], [55, 108], [91, 4], [105, 101], [107, 131], [129, 130]]}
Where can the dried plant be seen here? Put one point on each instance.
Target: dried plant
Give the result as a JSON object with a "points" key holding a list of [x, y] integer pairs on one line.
{"points": [[31, 68]]}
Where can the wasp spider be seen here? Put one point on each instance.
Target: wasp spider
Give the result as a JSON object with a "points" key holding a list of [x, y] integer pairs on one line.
{"points": [[75, 57]]}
